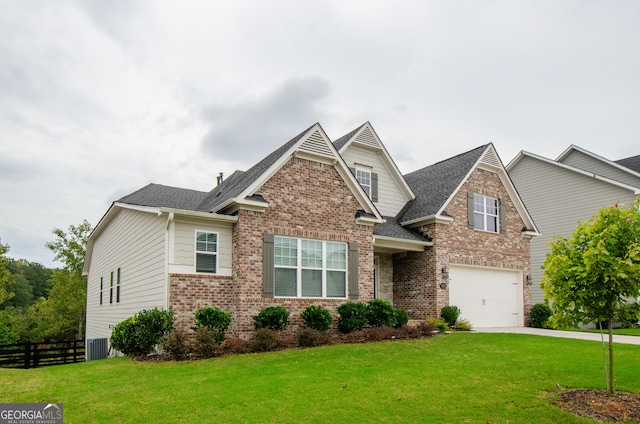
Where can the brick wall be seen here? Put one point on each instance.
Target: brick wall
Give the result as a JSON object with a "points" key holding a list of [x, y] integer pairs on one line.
{"points": [[417, 276], [307, 200]]}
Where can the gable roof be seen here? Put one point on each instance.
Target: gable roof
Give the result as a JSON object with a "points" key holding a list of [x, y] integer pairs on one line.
{"points": [[613, 164], [523, 154], [367, 137], [436, 183], [632, 163]]}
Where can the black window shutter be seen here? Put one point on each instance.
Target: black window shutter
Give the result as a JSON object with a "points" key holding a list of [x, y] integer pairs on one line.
{"points": [[374, 187], [268, 266], [353, 270], [470, 208], [503, 216]]}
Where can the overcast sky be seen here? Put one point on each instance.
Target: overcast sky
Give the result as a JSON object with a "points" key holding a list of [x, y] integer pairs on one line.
{"points": [[99, 98]]}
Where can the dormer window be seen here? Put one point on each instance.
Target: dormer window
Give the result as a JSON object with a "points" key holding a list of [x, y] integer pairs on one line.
{"points": [[363, 175]]}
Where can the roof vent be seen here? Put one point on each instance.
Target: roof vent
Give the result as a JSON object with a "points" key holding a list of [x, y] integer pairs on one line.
{"points": [[220, 179]]}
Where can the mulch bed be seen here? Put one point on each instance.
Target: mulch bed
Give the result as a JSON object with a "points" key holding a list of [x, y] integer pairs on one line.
{"points": [[619, 408]]}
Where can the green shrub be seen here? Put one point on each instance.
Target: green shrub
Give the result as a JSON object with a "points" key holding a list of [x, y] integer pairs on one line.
{"points": [[214, 319], [317, 318], [629, 315], [272, 317], [139, 334], [463, 325], [439, 324], [450, 314], [353, 316], [177, 345], [402, 318], [263, 340], [310, 337], [380, 312], [540, 314]]}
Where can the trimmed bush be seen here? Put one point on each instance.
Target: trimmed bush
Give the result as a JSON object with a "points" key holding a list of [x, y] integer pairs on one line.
{"points": [[309, 337], [380, 312], [139, 334], [205, 342], [450, 314], [274, 318], [263, 340], [353, 316], [438, 324], [540, 314], [317, 318], [177, 345], [215, 320], [402, 318]]}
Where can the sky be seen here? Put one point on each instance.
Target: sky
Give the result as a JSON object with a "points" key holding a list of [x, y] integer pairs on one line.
{"points": [[100, 98]]}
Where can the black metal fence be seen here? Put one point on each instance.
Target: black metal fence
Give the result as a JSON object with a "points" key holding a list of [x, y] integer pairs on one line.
{"points": [[32, 355]]}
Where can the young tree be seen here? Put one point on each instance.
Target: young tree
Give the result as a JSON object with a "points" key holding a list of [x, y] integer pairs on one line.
{"points": [[591, 274]]}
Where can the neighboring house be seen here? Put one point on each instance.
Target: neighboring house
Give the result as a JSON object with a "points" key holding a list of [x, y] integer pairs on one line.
{"points": [[317, 222], [560, 193]]}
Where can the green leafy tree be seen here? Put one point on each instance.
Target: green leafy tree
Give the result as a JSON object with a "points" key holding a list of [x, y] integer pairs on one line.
{"points": [[589, 276], [6, 279], [62, 315]]}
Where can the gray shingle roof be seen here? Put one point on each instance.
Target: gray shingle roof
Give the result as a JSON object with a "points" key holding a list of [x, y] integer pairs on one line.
{"points": [[234, 186], [632, 163], [157, 195], [434, 184], [392, 228]]}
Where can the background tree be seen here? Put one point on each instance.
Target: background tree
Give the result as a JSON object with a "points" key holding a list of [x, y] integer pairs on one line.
{"points": [[62, 315], [589, 276], [6, 279]]}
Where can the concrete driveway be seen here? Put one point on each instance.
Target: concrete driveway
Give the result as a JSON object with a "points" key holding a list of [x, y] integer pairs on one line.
{"points": [[562, 334]]}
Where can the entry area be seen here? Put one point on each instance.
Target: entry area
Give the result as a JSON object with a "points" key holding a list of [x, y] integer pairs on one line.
{"points": [[487, 297]]}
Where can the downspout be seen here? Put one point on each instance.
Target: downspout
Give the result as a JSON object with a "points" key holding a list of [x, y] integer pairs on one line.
{"points": [[167, 247]]}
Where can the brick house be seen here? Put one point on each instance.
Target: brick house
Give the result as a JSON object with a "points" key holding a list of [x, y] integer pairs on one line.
{"points": [[318, 222]]}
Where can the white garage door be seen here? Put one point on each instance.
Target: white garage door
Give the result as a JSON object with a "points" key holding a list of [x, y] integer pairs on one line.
{"points": [[487, 297]]}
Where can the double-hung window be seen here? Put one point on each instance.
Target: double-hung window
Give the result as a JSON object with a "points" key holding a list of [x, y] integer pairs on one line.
{"points": [[309, 268], [363, 175], [206, 252], [485, 213]]}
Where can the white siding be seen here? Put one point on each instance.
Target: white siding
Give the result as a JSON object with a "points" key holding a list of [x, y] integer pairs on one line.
{"points": [[134, 242], [587, 163], [390, 197], [182, 258], [557, 200]]}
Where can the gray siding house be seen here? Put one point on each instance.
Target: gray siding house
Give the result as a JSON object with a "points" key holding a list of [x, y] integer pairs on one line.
{"points": [[562, 192]]}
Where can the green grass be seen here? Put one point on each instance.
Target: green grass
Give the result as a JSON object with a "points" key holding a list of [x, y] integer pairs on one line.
{"points": [[458, 378], [620, 331]]}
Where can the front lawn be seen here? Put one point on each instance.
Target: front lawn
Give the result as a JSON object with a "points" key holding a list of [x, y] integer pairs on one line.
{"points": [[462, 377], [620, 331]]}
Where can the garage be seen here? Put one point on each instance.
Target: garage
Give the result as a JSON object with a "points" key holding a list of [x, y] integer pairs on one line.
{"points": [[487, 297]]}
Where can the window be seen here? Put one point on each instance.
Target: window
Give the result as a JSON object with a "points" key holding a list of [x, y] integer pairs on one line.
{"points": [[485, 213], [206, 252], [101, 282], [118, 286], [309, 268], [363, 175], [111, 289]]}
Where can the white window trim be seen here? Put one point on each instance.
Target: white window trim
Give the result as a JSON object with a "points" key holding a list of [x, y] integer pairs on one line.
{"points": [[485, 214], [299, 268], [367, 187], [196, 251]]}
